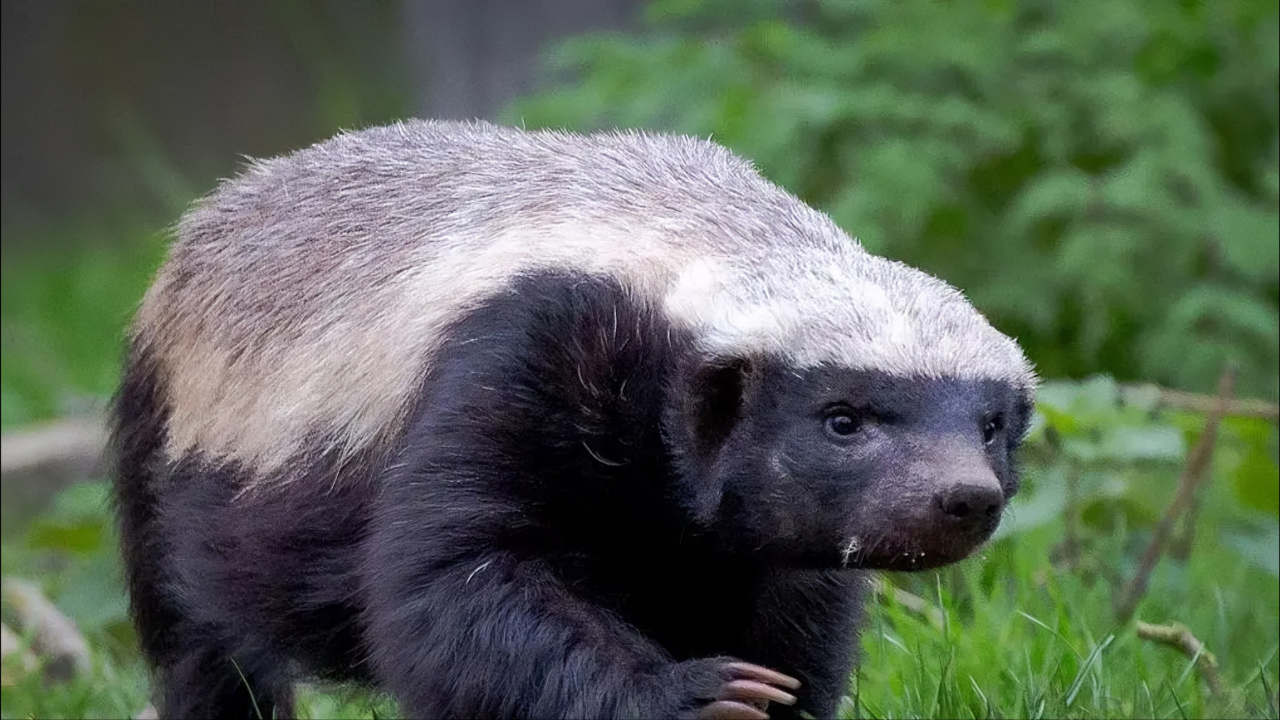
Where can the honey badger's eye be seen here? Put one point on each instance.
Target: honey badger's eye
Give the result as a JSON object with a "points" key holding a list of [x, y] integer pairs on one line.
{"points": [[843, 424], [992, 427]]}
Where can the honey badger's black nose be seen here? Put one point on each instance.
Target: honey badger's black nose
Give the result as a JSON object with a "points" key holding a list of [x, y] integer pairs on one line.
{"points": [[972, 504]]}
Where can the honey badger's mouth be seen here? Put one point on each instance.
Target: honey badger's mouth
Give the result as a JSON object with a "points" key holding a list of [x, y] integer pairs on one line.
{"points": [[887, 552]]}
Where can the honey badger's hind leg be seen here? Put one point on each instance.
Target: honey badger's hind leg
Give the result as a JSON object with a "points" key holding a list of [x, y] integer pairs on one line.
{"points": [[200, 670], [212, 682], [210, 657]]}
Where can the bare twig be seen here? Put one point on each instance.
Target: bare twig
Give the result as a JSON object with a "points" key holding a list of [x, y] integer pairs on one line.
{"points": [[36, 463], [1179, 637], [75, 442], [1182, 542], [1234, 407], [1192, 476], [53, 635]]}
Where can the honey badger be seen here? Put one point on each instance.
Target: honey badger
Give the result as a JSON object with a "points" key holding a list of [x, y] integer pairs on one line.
{"points": [[537, 424]]}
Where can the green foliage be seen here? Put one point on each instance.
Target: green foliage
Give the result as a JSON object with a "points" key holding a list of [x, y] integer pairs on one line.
{"points": [[1101, 176], [64, 306], [1111, 464], [1021, 637]]}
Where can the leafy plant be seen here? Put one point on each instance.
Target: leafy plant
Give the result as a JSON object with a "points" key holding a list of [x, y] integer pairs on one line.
{"points": [[1101, 176], [1107, 460]]}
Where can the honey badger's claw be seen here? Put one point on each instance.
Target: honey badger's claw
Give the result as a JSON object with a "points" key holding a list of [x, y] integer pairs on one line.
{"points": [[747, 691], [731, 710], [750, 690], [748, 671]]}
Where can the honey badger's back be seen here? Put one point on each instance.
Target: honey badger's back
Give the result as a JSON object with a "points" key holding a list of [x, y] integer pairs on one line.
{"points": [[302, 300]]}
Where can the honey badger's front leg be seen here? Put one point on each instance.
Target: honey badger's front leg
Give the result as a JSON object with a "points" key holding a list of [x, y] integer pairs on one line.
{"points": [[503, 637], [806, 623]]}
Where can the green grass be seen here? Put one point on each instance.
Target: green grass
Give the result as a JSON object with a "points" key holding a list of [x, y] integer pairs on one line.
{"points": [[1024, 639]]}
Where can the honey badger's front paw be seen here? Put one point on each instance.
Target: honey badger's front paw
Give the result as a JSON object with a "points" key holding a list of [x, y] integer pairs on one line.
{"points": [[735, 690]]}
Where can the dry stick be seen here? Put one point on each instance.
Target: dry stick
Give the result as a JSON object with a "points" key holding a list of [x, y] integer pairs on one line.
{"points": [[1192, 476], [53, 635], [1180, 546], [1178, 636], [73, 443], [1234, 407]]}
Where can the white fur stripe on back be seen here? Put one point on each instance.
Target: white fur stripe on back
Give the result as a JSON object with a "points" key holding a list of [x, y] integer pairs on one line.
{"points": [[302, 302]]}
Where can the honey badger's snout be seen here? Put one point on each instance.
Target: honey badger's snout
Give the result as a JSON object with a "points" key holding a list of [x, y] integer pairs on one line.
{"points": [[928, 504], [971, 504], [964, 503]]}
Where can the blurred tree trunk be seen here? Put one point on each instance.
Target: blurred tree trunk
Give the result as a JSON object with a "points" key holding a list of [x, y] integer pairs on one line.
{"points": [[471, 57], [143, 105]]}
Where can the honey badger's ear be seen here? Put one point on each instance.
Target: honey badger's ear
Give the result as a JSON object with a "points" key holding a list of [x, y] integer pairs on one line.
{"points": [[715, 400]]}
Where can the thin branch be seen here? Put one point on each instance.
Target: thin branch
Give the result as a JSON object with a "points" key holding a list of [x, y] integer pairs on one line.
{"points": [[53, 635], [1234, 407], [1193, 476], [1182, 543], [75, 442], [1179, 637]]}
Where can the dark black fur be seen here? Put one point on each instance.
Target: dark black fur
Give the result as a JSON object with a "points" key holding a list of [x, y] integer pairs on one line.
{"points": [[584, 519]]}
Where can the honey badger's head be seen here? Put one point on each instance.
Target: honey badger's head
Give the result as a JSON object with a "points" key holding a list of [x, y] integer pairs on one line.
{"points": [[866, 419]]}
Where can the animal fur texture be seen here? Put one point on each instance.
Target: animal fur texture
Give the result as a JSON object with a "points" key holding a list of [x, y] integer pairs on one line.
{"points": [[539, 424], [425, 219]]}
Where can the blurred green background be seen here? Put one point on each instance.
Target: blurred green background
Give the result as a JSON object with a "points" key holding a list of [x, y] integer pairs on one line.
{"points": [[1100, 176]]}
